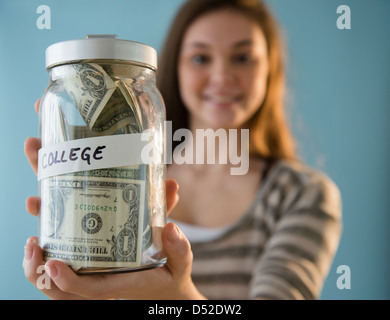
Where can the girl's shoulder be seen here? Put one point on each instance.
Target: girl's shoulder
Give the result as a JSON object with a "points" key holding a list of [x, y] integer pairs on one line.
{"points": [[301, 173], [295, 183]]}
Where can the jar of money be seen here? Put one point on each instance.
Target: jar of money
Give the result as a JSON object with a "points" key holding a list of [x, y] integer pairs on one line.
{"points": [[101, 171]]}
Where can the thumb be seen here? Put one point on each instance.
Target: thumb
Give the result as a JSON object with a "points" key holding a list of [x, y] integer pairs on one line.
{"points": [[178, 250]]}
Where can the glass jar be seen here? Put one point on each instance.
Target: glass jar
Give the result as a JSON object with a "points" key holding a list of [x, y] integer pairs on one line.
{"points": [[101, 166]]}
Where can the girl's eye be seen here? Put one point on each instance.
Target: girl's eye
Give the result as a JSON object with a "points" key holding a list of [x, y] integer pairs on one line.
{"points": [[242, 58], [200, 59]]}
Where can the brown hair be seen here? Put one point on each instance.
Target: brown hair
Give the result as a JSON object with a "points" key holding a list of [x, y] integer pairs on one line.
{"points": [[270, 136]]}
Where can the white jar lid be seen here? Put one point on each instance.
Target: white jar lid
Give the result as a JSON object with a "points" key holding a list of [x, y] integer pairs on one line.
{"points": [[100, 47]]}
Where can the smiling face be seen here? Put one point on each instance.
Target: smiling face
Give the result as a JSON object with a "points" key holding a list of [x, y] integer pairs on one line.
{"points": [[223, 69]]}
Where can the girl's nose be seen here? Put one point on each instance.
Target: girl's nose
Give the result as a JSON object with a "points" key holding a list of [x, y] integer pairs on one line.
{"points": [[221, 73]]}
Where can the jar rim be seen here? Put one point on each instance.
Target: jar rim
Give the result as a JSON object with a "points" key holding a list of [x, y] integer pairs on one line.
{"points": [[100, 47]]}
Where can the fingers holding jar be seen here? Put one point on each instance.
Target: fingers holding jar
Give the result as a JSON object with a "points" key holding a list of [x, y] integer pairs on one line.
{"points": [[35, 272], [31, 147], [34, 265]]}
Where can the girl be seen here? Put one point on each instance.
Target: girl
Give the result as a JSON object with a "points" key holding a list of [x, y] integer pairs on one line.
{"points": [[270, 233]]}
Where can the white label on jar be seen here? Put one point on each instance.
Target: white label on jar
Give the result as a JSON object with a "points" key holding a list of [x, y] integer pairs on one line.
{"points": [[95, 153]]}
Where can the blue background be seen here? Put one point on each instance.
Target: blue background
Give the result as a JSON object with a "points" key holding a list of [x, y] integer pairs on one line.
{"points": [[339, 101]]}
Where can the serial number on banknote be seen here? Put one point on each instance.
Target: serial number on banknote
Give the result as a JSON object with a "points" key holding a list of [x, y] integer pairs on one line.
{"points": [[92, 207]]}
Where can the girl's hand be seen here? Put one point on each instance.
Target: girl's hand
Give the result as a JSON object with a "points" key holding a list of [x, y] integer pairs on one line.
{"points": [[172, 281]]}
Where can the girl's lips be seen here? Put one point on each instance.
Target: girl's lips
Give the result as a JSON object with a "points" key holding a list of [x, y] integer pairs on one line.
{"points": [[223, 100]]}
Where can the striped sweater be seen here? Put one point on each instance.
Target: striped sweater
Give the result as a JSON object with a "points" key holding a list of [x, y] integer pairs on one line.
{"points": [[283, 245]]}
